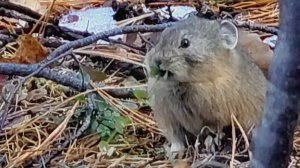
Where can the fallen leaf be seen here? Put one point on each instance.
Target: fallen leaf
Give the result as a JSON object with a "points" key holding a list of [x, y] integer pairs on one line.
{"points": [[130, 38], [36, 94], [259, 52], [30, 51], [95, 75]]}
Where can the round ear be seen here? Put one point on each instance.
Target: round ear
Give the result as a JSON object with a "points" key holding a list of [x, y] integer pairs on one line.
{"points": [[229, 34]]}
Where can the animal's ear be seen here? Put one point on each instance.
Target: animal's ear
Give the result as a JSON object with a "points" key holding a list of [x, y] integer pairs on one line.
{"points": [[229, 34]]}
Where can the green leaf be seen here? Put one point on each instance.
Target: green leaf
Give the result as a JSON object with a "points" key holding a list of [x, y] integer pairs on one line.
{"points": [[100, 105], [107, 113], [114, 113], [119, 128], [104, 131], [103, 145], [154, 71], [140, 94], [78, 113], [95, 125], [80, 98], [124, 120], [109, 124]]}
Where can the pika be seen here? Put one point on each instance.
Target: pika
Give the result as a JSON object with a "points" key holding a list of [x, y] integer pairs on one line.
{"points": [[203, 77]]}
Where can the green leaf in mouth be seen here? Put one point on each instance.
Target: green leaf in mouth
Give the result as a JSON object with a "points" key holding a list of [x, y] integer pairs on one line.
{"points": [[154, 71], [140, 94]]}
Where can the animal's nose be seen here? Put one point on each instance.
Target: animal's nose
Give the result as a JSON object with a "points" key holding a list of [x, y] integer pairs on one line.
{"points": [[158, 63]]}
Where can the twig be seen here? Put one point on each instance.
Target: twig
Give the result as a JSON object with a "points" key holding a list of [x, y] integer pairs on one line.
{"points": [[233, 141], [127, 45], [254, 26], [68, 79], [20, 9], [145, 40], [156, 158], [11, 14], [205, 11], [102, 35], [247, 144], [171, 18], [4, 39]]}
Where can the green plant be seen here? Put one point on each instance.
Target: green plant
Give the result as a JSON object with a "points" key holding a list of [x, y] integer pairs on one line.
{"points": [[106, 121], [140, 94]]}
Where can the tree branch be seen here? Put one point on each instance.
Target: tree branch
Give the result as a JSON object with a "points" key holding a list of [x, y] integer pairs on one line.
{"points": [[274, 139], [103, 35], [20, 9]]}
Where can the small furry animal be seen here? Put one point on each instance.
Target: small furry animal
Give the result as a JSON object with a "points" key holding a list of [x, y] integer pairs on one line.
{"points": [[202, 77]]}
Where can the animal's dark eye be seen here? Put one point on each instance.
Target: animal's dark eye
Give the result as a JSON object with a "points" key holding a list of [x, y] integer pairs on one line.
{"points": [[185, 43]]}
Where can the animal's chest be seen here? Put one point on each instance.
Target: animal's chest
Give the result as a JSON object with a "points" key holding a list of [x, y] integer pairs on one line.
{"points": [[190, 108]]}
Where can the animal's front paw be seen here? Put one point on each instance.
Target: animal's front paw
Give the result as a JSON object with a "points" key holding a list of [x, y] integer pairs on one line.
{"points": [[213, 144], [177, 147], [176, 150]]}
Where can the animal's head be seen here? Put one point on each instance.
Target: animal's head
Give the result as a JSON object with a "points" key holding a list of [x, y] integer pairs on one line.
{"points": [[193, 50]]}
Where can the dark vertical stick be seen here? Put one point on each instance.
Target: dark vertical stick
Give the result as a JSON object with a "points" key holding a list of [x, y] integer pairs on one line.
{"points": [[273, 141]]}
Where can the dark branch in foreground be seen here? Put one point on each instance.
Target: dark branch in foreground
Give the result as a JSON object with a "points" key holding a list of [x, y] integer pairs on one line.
{"points": [[20, 9], [274, 139], [70, 79]]}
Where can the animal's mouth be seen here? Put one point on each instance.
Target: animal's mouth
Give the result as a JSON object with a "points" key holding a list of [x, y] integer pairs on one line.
{"points": [[165, 74], [160, 73]]}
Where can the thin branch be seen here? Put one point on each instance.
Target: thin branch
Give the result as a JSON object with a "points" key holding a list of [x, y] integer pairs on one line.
{"points": [[102, 35], [51, 74], [16, 15], [20, 9], [255, 26], [206, 12]]}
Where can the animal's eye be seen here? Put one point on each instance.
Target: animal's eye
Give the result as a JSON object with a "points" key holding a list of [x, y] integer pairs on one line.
{"points": [[185, 43]]}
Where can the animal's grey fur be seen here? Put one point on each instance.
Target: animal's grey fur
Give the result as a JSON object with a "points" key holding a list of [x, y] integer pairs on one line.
{"points": [[210, 82]]}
